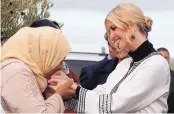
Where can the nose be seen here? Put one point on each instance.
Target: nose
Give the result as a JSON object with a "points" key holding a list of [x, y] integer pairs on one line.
{"points": [[113, 36]]}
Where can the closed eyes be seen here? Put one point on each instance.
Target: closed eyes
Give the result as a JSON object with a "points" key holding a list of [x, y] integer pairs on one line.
{"points": [[113, 28]]}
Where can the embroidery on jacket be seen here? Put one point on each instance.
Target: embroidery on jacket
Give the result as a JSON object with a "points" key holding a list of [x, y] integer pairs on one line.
{"points": [[105, 100]]}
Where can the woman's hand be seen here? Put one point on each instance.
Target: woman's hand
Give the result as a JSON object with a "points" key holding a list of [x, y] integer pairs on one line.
{"points": [[74, 87], [115, 50], [63, 87]]}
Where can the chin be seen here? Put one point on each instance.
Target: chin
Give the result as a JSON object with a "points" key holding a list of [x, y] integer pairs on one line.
{"points": [[124, 55]]}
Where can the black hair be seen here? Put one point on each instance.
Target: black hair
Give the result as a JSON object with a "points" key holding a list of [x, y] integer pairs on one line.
{"points": [[163, 49], [106, 36], [56, 24], [44, 22]]}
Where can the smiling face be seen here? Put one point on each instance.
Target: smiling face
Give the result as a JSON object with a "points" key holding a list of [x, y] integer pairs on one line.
{"points": [[123, 22], [117, 38], [115, 34]]}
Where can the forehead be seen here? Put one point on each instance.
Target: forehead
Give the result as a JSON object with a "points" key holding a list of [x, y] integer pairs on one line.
{"points": [[109, 23]]}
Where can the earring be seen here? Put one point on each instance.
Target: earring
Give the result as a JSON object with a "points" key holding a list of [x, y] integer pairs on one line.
{"points": [[133, 36]]}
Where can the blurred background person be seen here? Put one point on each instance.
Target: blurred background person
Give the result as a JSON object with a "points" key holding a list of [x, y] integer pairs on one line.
{"points": [[47, 93], [165, 53]]}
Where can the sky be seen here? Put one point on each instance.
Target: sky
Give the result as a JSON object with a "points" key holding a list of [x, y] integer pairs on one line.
{"points": [[84, 22]]}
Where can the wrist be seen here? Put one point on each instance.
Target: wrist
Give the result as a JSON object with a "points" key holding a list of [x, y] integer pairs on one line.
{"points": [[76, 89]]}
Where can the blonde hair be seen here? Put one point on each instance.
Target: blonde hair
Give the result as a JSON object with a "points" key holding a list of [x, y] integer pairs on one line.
{"points": [[126, 14]]}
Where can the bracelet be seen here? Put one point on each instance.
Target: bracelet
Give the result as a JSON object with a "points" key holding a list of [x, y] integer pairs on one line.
{"points": [[77, 92]]}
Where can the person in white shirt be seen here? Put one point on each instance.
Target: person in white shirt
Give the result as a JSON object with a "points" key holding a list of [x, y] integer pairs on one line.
{"points": [[139, 84]]}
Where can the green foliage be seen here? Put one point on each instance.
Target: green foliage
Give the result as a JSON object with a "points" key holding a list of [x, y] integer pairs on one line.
{"points": [[18, 13], [173, 68]]}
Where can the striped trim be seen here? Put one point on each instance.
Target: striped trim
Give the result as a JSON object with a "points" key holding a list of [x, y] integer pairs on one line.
{"points": [[73, 104], [105, 103], [81, 102], [70, 105]]}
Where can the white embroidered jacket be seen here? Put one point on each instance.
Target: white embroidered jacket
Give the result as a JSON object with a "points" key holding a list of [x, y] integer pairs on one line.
{"points": [[144, 89]]}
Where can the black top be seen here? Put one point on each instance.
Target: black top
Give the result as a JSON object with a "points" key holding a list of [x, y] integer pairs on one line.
{"points": [[142, 51], [170, 100]]}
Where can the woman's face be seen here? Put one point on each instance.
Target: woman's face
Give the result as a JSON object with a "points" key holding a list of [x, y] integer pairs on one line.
{"points": [[117, 38], [58, 67]]}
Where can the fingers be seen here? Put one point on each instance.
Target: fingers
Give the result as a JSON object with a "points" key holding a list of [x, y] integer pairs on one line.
{"points": [[73, 87], [60, 72], [117, 46], [53, 83], [54, 80], [56, 87], [57, 77], [52, 87], [70, 92], [57, 80], [60, 77]]}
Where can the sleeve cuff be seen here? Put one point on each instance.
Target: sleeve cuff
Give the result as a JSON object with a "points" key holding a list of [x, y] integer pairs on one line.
{"points": [[77, 92]]}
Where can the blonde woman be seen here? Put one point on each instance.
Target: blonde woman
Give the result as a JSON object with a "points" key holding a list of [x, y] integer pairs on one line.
{"points": [[139, 84], [29, 58]]}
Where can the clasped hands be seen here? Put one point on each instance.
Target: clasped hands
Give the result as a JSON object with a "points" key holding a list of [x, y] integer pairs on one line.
{"points": [[62, 85]]}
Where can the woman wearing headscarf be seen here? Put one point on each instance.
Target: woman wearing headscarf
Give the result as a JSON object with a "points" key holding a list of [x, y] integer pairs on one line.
{"points": [[48, 92], [139, 84], [29, 58]]}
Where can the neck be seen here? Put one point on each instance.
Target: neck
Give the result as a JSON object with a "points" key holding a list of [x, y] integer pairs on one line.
{"points": [[140, 39], [142, 51]]}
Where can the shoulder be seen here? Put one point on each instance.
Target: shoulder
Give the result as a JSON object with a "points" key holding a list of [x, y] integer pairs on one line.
{"points": [[158, 61], [156, 64], [15, 75], [14, 67]]}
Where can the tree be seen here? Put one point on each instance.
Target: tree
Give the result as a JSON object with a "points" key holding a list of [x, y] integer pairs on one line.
{"points": [[18, 13], [173, 68]]}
